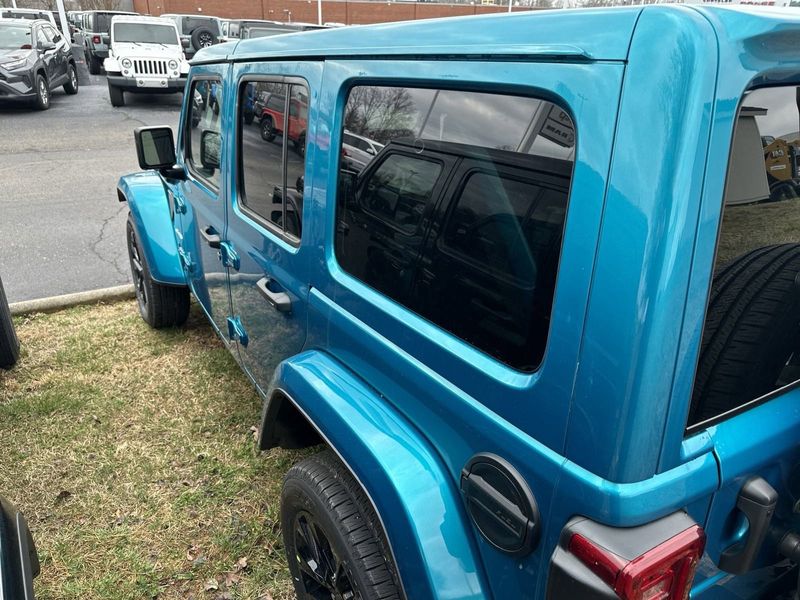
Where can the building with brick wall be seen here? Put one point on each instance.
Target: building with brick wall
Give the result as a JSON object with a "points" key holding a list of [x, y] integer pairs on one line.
{"points": [[349, 12]]}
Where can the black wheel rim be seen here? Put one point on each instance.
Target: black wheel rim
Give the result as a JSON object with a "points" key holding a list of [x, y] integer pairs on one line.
{"points": [[137, 270], [323, 574], [73, 79], [205, 40]]}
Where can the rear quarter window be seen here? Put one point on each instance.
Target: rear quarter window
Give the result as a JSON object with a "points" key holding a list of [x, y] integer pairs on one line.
{"points": [[750, 347], [458, 221]]}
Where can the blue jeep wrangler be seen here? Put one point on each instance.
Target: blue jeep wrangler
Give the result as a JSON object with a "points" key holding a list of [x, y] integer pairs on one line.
{"points": [[546, 327]]}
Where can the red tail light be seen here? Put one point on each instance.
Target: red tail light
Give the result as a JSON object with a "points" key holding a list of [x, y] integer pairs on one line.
{"points": [[96, 39], [665, 572]]}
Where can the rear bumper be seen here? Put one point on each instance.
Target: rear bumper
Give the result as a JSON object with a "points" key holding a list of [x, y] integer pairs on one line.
{"points": [[15, 85], [99, 51], [147, 85]]}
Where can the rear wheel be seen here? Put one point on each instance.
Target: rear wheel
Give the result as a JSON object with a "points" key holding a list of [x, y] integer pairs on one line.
{"points": [[751, 343], [116, 95], [9, 344], [334, 542], [42, 99], [71, 87], [159, 305]]}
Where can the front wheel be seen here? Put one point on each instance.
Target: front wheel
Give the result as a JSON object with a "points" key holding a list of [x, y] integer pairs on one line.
{"points": [[116, 95], [334, 542], [159, 305], [71, 87], [42, 98]]}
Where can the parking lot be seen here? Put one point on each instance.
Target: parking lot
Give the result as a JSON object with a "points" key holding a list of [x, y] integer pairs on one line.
{"points": [[62, 226]]}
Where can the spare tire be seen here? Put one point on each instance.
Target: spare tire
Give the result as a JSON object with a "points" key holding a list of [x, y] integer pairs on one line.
{"points": [[203, 37], [9, 344], [752, 331]]}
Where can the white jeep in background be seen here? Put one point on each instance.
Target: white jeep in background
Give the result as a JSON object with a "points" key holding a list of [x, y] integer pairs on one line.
{"points": [[146, 56]]}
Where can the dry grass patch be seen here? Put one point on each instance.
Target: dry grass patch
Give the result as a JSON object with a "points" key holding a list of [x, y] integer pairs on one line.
{"points": [[131, 453]]}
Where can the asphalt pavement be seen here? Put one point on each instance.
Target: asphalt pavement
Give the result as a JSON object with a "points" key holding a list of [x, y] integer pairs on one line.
{"points": [[62, 229]]}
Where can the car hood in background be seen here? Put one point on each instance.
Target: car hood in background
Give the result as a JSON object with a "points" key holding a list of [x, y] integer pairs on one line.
{"points": [[141, 50], [7, 55]]}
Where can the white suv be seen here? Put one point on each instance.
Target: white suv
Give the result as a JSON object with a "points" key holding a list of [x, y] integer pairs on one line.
{"points": [[146, 56]]}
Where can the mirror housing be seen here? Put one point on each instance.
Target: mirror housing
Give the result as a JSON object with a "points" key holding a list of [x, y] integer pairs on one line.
{"points": [[186, 43], [20, 563], [47, 46], [155, 147], [210, 144]]}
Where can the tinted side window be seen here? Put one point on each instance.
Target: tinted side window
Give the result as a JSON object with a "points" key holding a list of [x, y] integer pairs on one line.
{"points": [[749, 347], [459, 221], [204, 122], [272, 154]]}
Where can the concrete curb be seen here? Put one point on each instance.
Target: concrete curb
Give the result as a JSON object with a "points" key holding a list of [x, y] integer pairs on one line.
{"points": [[45, 305]]}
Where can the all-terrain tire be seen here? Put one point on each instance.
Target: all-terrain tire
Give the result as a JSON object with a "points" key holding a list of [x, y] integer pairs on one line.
{"points": [[9, 344], [159, 305], [116, 95], [203, 37], [752, 330], [322, 501]]}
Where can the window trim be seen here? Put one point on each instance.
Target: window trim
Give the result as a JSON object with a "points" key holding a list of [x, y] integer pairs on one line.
{"points": [[241, 196], [187, 140]]}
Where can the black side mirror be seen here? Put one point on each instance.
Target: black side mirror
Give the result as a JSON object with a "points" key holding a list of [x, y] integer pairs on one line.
{"points": [[186, 43], [210, 144], [155, 147], [20, 563]]}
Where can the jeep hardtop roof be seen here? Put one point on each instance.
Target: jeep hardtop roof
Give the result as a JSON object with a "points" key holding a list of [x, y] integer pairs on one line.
{"points": [[134, 18], [589, 34]]}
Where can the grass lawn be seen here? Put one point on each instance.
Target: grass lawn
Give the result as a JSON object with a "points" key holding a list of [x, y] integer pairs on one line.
{"points": [[131, 453]]}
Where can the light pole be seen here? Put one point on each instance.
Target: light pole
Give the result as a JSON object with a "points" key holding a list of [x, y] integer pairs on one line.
{"points": [[63, 19], [319, 12], [509, 5]]}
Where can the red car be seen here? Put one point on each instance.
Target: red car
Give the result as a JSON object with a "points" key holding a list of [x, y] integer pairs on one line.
{"points": [[272, 120]]}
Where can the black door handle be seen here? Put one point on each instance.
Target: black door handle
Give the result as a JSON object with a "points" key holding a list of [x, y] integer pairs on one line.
{"points": [[211, 237], [280, 301]]}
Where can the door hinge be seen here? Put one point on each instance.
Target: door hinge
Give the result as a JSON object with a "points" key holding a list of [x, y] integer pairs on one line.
{"points": [[180, 205], [236, 331], [186, 260], [228, 256]]}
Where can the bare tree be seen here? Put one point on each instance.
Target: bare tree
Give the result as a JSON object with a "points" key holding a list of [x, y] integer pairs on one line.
{"points": [[101, 4], [379, 112]]}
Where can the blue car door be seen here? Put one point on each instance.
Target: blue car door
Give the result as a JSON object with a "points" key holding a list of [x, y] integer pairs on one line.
{"points": [[269, 283], [200, 199]]}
